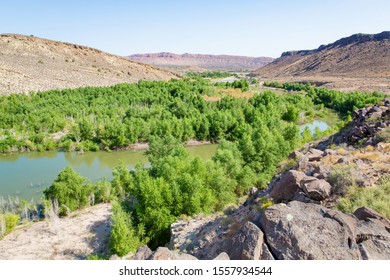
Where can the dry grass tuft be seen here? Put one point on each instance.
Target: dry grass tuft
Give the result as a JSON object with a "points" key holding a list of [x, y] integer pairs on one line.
{"points": [[369, 156]]}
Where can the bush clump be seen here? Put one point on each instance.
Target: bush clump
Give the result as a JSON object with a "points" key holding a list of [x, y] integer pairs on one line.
{"points": [[71, 190], [123, 237], [7, 223]]}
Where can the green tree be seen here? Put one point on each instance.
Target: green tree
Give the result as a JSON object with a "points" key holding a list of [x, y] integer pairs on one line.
{"points": [[71, 190]]}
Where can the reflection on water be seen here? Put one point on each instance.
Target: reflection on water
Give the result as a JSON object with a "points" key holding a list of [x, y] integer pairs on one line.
{"points": [[28, 174], [313, 125]]}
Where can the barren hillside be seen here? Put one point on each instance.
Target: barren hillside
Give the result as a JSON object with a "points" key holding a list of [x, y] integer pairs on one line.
{"points": [[361, 61], [203, 61], [34, 64]]}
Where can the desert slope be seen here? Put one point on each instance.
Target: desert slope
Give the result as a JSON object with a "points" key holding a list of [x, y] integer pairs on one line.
{"points": [[34, 64], [361, 61], [204, 61]]}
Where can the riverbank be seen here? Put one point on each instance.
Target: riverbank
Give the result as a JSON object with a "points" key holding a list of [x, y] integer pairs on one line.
{"points": [[142, 146]]}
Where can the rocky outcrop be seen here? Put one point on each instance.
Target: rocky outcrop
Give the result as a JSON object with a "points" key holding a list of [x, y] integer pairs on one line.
{"points": [[286, 187], [294, 184], [296, 231], [356, 63], [366, 124], [364, 213], [308, 231]]}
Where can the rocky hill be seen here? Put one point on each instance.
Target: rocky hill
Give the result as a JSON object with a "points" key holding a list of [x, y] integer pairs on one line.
{"points": [[202, 61], [361, 61], [33, 64]]}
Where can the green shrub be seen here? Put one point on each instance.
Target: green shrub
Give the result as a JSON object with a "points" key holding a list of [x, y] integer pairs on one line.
{"points": [[71, 190], [103, 191], [123, 237], [377, 198], [7, 223], [89, 145], [341, 179]]}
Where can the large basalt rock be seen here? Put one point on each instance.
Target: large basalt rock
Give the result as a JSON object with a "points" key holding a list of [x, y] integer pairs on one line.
{"points": [[143, 253], [247, 243], [364, 213], [373, 239], [266, 253], [298, 231], [287, 186], [290, 186], [314, 154], [163, 253], [323, 171], [316, 189]]}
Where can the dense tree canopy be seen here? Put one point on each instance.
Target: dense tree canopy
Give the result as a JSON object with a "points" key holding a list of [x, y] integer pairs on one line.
{"points": [[94, 118]]}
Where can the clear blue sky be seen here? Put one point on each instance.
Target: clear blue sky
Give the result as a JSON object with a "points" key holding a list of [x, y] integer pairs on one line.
{"points": [[241, 27]]}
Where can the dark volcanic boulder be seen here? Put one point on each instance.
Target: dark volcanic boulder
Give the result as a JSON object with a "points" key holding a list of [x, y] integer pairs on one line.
{"points": [[373, 234], [322, 171], [373, 239], [314, 154], [316, 189], [247, 243], [143, 253], [287, 186], [364, 213], [298, 231]]}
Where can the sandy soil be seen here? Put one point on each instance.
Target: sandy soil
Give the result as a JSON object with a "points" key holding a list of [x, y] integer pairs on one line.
{"points": [[85, 232]]}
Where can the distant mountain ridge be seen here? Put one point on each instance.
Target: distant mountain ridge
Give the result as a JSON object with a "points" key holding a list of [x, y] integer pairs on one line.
{"points": [[357, 62], [359, 55], [29, 63], [204, 61]]}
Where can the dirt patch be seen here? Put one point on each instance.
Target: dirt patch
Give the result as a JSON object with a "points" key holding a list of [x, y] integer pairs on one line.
{"points": [[83, 233]]}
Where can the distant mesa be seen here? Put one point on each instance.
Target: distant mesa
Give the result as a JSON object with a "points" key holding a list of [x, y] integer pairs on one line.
{"points": [[29, 63], [202, 61], [357, 62]]}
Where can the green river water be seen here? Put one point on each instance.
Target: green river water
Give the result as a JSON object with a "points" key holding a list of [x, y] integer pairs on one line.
{"points": [[26, 175]]}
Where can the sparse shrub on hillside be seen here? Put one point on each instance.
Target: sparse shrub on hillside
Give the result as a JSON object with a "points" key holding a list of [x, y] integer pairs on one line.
{"points": [[384, 135], [341, 179], [377, 198]]}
